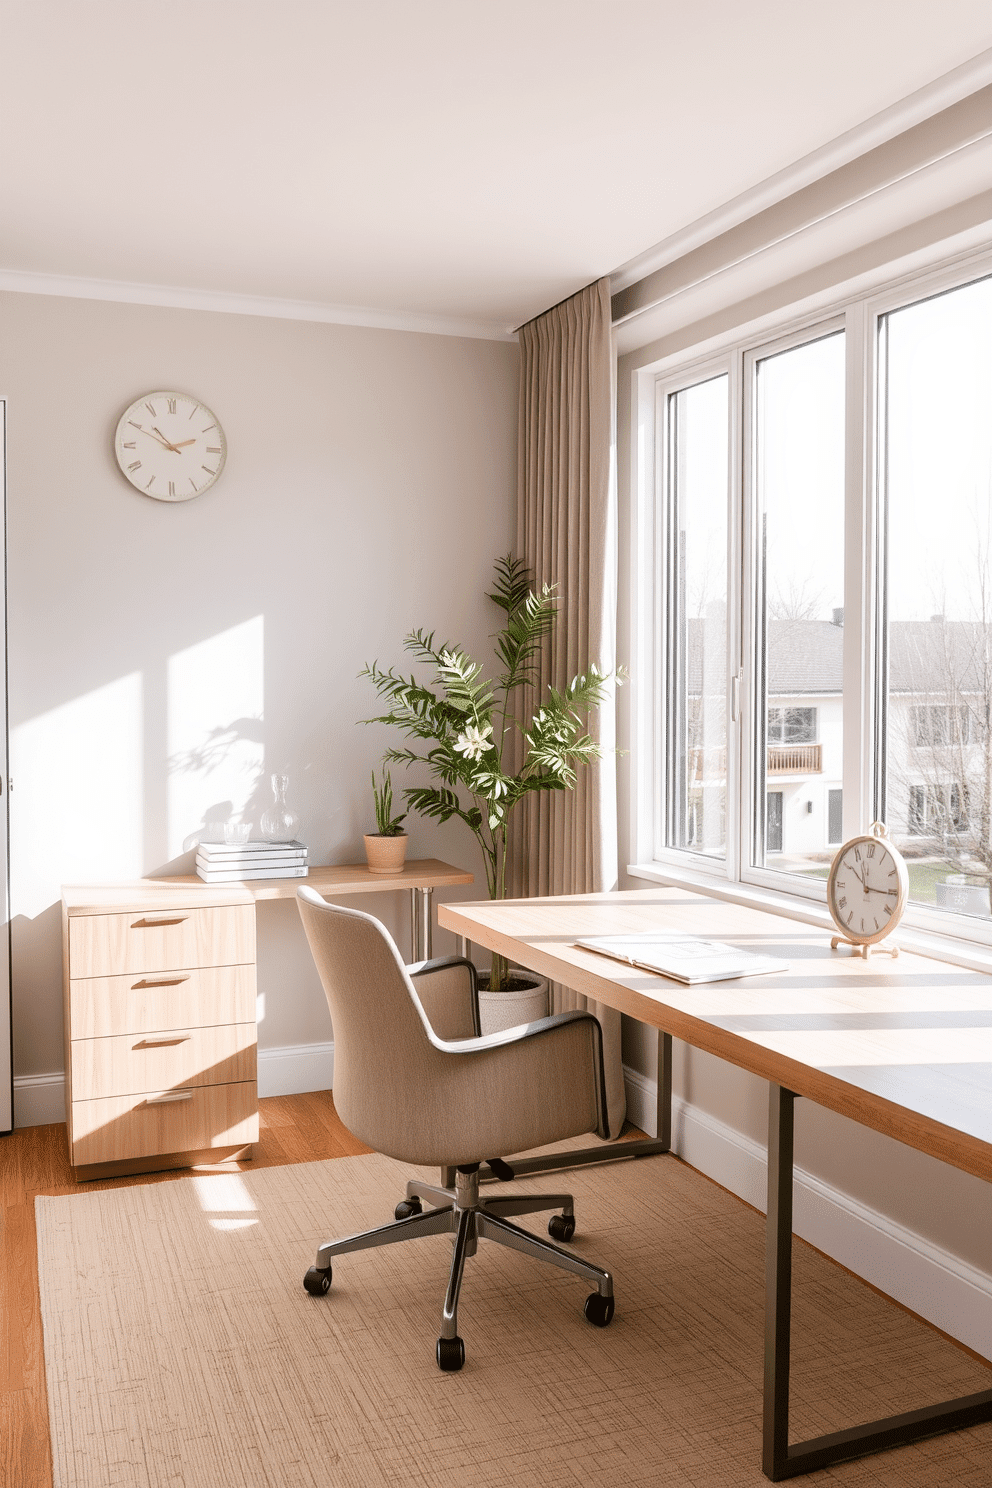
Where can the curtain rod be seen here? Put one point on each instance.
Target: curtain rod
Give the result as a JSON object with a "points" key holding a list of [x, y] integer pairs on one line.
{"points": [[559, 303]]}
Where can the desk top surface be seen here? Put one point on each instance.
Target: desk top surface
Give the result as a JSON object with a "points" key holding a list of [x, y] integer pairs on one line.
{"points": [[902, 1045], [186, 890]]}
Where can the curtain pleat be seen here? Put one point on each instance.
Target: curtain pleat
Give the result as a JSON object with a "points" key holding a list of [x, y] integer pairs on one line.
{"points": [[566, 842]]}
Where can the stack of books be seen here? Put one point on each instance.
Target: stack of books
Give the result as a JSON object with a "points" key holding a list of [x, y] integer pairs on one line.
{"points": [[217, 862]]}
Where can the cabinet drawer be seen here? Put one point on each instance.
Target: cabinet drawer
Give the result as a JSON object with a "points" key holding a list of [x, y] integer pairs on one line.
{"points": [[134, 1126], [160, 940], [160, 1062], [102, 1006]]}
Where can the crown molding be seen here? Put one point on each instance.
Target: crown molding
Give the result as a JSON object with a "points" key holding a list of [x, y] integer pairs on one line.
{"points": [[176, 297], [932, 99]]}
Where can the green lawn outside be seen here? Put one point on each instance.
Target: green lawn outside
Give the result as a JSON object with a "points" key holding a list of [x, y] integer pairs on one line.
{"points": [[923, 879]]}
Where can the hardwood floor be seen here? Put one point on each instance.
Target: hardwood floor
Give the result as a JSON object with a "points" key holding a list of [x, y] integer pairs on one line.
{"points": [[35, 1160]]}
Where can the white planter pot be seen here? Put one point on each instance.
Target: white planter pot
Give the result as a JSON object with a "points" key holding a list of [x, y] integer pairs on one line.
{"points": [[499, 1010]]}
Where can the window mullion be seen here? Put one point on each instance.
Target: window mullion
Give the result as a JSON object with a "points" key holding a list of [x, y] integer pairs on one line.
{"points": [[735, 618], [860, 590]]}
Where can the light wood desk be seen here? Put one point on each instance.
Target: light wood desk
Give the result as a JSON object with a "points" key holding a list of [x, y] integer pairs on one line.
{"points": [[419, 878], [902, 1046], [159, 1010]]}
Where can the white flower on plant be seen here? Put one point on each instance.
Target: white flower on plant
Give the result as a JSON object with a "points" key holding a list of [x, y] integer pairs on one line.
{"points": [[473, 741]]}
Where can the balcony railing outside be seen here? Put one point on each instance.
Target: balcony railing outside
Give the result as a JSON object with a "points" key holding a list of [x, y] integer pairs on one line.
{"points": [[783, 759], [795, 759]]}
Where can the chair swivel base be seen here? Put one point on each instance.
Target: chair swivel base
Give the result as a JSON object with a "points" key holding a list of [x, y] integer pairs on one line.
{"points": [[461, 1212]]}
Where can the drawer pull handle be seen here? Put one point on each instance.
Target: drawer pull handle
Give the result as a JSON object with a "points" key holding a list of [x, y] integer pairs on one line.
{"points": [[168, 1097], [148, 922], [172, 981], [162, 1043]]}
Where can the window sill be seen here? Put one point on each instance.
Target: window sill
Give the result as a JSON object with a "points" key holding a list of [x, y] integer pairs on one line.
{"points": [[921, 942]]}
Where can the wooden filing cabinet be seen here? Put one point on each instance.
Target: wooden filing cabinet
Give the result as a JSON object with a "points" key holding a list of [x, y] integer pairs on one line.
{"points": [[160, 1034]]}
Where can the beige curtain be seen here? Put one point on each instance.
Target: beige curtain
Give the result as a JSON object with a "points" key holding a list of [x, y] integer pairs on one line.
{"points": [[566, 842]]}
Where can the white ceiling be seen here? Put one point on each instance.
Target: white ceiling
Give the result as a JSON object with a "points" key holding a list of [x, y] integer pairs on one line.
{"points": [[443, 158]]}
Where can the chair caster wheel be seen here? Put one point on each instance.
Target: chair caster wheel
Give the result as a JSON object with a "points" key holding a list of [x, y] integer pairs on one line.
{"points": [[450, 1354], [599, 1310], [317, 1283], [407, 1208], [561, 1227]]}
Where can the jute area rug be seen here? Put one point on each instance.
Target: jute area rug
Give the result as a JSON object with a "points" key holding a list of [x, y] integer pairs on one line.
{"points": [[182, 1350]]}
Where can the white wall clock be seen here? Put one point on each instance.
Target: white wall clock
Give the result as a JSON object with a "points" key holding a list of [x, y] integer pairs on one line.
{"points": [[866, 891], [170, 446]]}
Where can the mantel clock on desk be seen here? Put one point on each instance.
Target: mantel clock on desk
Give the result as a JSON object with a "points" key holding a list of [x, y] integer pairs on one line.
{"points": [[866, 892]]}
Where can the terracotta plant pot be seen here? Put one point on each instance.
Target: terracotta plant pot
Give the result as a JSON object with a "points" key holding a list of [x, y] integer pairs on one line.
{"points": [[385, 854], [524, 1001]]}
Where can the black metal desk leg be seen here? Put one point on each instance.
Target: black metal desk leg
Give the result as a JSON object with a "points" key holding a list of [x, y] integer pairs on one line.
{"points": [[778, 1281], [779, 1458], [664, 1097]]}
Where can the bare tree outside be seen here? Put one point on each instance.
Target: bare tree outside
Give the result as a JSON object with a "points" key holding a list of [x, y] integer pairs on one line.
{"points": [[940, 739]]}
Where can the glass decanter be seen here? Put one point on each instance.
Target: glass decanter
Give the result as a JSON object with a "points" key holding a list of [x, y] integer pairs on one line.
{"points": [[279, 823]]}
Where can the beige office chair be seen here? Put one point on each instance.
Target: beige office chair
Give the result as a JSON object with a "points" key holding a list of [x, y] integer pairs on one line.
{"points": [[413, 1079]]}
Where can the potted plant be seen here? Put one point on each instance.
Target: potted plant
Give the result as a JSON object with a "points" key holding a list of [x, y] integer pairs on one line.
{"points": [[481, 759], [385, 848]]}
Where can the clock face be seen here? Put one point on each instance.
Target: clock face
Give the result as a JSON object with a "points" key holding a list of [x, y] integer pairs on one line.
{"points": [[866, 890], [170, 446]]}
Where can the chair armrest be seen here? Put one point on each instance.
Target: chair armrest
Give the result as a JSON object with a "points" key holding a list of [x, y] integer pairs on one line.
{"points": [[447, 989], [510, 1035], [438, 963]]}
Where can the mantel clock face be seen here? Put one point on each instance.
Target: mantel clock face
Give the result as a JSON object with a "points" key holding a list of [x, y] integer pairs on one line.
{"points": [[867, 888], [170, 446]]}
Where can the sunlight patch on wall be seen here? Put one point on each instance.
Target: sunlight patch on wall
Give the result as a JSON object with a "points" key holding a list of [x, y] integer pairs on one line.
{"points": [[76, 811], [215, 745]]}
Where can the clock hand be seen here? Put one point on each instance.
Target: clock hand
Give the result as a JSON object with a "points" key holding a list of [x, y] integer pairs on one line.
{"points": [[173, 447]]}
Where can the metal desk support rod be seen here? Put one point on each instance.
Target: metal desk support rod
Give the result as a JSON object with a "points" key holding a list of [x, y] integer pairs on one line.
{"points": [[779, 1459], [421, 928]]}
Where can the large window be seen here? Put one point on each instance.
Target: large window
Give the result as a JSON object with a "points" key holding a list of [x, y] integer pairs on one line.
{"points": [[818, 619]]}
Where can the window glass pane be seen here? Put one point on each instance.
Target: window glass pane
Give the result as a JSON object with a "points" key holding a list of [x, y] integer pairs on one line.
{"points": [[799, 475], [937, 442], [697, 620]]}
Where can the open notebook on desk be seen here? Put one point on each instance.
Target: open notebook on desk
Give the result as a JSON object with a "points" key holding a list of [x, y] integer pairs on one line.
{"points": [[682, 957]]}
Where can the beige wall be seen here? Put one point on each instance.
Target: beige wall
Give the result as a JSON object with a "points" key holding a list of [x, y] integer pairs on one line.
{"points": [[165, 659]]}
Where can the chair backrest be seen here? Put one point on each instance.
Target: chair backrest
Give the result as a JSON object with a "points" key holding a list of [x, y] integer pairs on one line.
{"points": [[384, 1060]]}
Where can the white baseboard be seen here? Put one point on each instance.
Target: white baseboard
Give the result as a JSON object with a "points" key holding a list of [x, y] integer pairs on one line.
{"points": [[39, 1100], [295, 1070], [932, 1282]]}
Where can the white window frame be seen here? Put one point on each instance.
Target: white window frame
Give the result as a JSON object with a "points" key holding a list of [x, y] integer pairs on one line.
{"points": [[735, 354]]}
